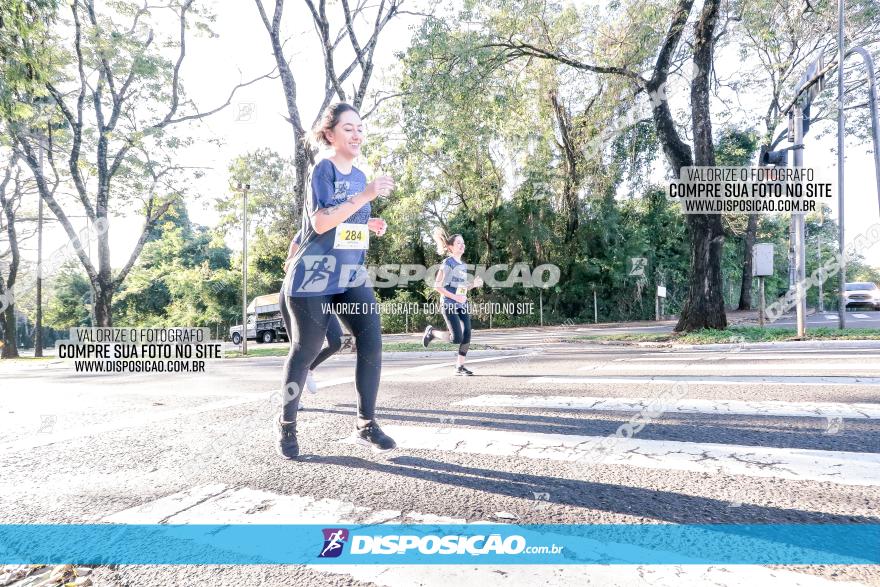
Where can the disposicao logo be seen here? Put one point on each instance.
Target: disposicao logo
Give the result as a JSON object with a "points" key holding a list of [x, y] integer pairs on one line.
{"points": [[334, 540], [473, 545]]}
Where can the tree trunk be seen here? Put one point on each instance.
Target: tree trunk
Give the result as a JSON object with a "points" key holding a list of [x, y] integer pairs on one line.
{"points": [[745, 292], [302, 160], [704, 307], [103, 304], [7, 285], [10, 334], [302, 157], [570, 187]]}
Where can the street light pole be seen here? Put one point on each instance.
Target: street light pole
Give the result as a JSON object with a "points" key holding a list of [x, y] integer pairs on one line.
{"points": [[841, 54], [244, 190], [819, 264], [799, 224], [38, 327]]}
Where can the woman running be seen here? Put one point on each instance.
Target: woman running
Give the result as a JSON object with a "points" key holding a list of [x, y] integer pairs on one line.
{"points": [[334, 330], [451, 283], [327, 271]]}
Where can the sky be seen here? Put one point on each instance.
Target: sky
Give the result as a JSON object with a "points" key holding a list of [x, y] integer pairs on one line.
{"points": [[255, 119]]}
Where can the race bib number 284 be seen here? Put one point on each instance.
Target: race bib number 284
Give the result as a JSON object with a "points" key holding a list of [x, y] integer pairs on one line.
{"points": [[352, 236]]}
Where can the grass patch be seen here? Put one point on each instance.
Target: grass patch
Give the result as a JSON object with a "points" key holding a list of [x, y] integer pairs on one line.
{"points": [[257, 352], [741, 334], [387, 347], [635, 337]]}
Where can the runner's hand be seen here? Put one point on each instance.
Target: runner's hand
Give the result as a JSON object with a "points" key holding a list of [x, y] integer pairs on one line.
{"points": [[478, 282], [379, 187], [460, 299], [377, 225]]}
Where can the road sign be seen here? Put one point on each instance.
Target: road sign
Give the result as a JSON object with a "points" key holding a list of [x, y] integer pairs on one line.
{"points": [[814, 72], [637, 266], [762, 259], [661, 291]]}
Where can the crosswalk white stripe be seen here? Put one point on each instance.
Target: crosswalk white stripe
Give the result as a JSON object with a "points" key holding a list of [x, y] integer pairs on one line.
{"points": [[747, 366], [63, 434], [727, 358], [60, 434], [218, 504], [419, 369], [863, 316], [683, 406], [707, 380], [830, 316], [595, 575], [845, 468]]}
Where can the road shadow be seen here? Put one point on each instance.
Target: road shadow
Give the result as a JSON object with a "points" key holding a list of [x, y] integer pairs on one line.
{"points": [[664, 506], [807, 433]]}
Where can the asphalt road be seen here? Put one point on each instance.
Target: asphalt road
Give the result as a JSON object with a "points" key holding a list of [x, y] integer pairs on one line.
{"points": [[854, 319], [790, 435]]}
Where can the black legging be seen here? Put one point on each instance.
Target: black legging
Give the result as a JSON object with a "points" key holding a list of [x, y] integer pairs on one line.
{"points": [[306, 317], [334, 333], [458, 322]]}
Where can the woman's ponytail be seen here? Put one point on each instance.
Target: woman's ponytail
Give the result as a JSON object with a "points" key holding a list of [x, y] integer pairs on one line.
{"points": [[443, 240]]}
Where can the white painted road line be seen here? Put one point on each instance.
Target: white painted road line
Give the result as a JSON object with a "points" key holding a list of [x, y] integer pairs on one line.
{"points": [[862, 316], [419, 369], [845, 468], [707, 380], [727, 358], [815, 365], [63, 433], [218, 504], [249, 506], [588, 575], [683, 406]]}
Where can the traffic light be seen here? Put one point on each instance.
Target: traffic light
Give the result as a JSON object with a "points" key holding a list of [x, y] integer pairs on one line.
{"points": [[777, 158]]}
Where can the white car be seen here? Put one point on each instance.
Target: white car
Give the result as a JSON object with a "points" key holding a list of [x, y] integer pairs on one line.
{"points": [[235, 331], [863, 293]]}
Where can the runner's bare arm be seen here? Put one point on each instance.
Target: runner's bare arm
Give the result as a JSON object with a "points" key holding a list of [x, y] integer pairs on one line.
{"points": [[324, 219], [291, 251], [439, 280]]}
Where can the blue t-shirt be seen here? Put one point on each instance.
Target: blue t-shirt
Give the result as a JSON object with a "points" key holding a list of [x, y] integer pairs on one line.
{"points": [[455, 277], [317, 267]]}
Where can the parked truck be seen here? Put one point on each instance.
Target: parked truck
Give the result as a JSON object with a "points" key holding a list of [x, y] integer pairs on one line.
{"points": [[265, 324], [264, 321]]}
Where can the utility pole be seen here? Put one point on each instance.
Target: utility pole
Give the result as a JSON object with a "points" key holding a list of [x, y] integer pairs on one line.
{"points": [[541, 302], [798, 110], [244, 327], [798, 221], [595, 307], [38, 327], [841, 54], [819, 264]]}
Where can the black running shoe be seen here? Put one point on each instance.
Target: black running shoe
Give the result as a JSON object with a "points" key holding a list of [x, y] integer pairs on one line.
{"points": [[371, 435], [429, 336], [461, 370], [285, 434]]}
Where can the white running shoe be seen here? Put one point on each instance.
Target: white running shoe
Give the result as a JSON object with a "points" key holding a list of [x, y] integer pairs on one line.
{"points": [[310, 383]]}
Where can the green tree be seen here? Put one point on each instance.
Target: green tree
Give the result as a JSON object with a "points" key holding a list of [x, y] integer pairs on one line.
{"points": [[184, 277], [121, 103]]}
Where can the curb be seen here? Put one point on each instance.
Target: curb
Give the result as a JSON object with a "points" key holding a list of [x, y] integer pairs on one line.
{"points": [[801, 344], [770, 345]]}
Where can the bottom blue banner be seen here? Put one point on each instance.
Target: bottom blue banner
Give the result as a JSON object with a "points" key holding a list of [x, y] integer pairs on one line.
{"points": [[96, 544]]}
